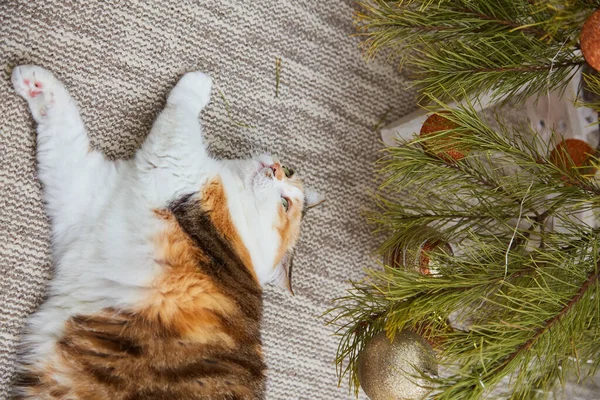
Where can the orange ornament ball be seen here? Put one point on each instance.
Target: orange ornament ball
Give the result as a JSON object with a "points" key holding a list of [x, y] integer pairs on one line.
{"points": [[445, 147], [573, 154], [590, 40]]}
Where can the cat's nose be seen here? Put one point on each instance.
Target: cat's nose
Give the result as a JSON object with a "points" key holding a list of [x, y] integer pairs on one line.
{"points": [[277, 171]]}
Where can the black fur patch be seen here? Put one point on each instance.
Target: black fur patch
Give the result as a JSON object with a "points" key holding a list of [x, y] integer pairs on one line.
{"points": [[224, 266]]}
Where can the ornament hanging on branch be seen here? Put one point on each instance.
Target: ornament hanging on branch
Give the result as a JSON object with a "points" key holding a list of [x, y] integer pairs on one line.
{"points": [[394, 369], [573, 154], [590, 40], [447, 147], [423, 254]]}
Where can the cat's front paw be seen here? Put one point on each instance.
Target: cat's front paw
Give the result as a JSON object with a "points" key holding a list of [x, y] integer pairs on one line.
{"points": [[39, 87], [192, 87]]}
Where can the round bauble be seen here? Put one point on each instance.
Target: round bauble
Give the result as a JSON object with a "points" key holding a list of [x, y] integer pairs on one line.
{"points": [[445, 147], [571, 154], [429, 255], [423, 254], [392, 370], [590, 40]]}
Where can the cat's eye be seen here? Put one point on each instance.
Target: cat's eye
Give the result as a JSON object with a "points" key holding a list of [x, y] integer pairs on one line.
{"points": [[285, 203], [287, 171]]}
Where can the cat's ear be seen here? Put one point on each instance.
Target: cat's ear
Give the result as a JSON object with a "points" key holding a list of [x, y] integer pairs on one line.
{"points": [[312, 198], [282, 276]]}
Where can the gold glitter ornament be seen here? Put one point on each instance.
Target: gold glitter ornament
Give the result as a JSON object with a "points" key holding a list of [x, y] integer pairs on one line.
{"points": [[391, 370]]}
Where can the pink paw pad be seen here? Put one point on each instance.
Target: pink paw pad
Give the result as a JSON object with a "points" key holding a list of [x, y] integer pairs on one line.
{"points": [[35, 91]]}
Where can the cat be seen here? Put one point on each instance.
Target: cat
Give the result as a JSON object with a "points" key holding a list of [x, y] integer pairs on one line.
{"points": [[159, 260]]}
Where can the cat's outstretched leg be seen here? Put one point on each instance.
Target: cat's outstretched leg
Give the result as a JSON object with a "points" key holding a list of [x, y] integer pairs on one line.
{"points": [[192, 92], [174, 151], [73, 175]]}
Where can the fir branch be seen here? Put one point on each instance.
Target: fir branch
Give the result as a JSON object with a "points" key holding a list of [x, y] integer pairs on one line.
{"points": [[511, 24], [512, 292], [502, 66], [532, 301], [591, 279], [507, 48]]}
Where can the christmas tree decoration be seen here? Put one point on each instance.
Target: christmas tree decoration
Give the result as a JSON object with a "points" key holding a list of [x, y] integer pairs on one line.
{"points": [[422, 254], [573, 154], [428, 255], [590, 40], [446, 147], [394, 369], [527, 287], [522, 297]]}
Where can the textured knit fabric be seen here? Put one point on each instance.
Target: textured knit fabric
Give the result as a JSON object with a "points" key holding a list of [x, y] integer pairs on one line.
{"points": [[119, 59]]}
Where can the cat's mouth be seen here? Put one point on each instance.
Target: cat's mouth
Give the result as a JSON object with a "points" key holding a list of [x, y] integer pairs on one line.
{"points": [[262, 165], [261, 171], [265, 169]]}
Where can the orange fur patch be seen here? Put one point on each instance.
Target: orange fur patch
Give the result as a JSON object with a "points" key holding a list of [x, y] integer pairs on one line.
{"points": [[288, 227], [214, 202], [185, 299]]}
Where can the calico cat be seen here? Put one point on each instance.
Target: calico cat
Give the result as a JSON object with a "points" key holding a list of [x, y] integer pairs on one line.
{"points": [[159, 260]]}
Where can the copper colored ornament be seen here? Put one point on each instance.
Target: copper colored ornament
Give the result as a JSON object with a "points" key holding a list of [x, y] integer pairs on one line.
{"points": [[573, 154], [391, 370], [445, 147], [590, 40]]}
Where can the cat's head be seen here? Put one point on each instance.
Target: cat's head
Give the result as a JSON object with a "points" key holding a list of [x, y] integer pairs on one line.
{"points": [[274, 201]]}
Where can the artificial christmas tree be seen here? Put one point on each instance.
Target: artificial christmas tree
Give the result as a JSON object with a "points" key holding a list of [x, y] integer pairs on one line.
{"points": [[518, 296]]}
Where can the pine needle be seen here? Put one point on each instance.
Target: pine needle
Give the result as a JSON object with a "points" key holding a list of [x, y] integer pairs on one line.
{"points": [[228, 109], [516, 229], [382, 120], [277, 75]]}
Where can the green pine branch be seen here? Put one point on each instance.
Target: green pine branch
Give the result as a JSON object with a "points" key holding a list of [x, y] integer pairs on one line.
{"points": [[592, 84], [529, 294], [511, 48]]}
